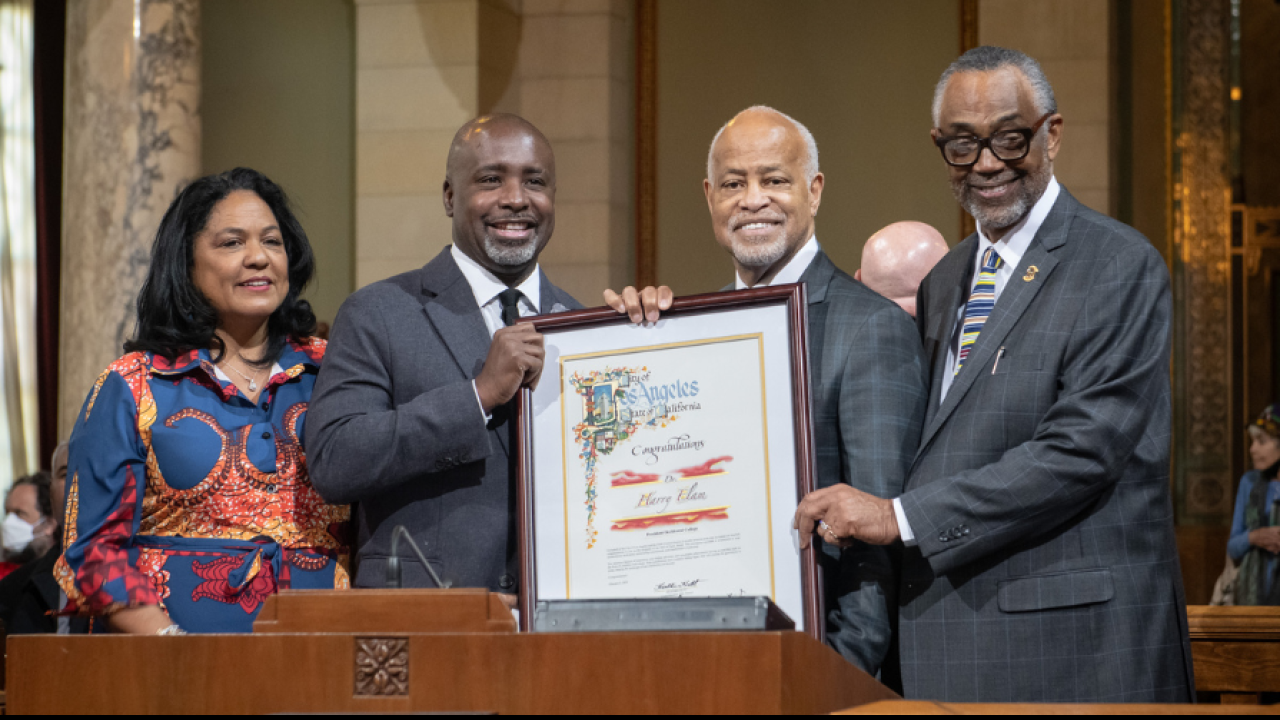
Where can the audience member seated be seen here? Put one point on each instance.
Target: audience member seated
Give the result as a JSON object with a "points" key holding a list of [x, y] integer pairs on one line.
{"points": [[897, 258], [30, 597], [26, 533], [1255, 527], [189, 500]]}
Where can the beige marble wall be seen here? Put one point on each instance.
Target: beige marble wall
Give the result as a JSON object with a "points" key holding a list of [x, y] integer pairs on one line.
{"points": [[424, 67], [132, 138], [1070, 39]]}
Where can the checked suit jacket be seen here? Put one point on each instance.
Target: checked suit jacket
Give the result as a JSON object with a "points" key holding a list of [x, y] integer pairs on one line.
{"points": [[1045, 567], [394, 425], [869, 388]]}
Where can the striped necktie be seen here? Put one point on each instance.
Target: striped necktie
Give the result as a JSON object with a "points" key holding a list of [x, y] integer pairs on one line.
{"points": [[980, 303]]}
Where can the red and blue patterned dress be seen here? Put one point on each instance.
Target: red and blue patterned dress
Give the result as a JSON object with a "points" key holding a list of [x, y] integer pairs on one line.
{"points": [[182, 493]]}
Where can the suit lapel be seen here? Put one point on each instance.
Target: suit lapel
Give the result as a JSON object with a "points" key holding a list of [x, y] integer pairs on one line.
{"points": [[549, 300], [952, 277], [451, 307], [817, 277], [945, 329], [1009, 309]]}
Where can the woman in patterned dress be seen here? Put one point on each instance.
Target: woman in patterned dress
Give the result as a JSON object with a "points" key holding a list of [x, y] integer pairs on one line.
{"points": [[188, 500]]}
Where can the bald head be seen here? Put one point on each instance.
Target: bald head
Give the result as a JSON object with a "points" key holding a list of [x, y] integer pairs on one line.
{"points": [[485, 127], [763, 116], [500, 189], [897, 258]]}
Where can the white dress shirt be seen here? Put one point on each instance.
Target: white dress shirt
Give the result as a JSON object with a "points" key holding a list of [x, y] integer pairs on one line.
{"points": [[486, 287], [791, 272], [1010, 248]]}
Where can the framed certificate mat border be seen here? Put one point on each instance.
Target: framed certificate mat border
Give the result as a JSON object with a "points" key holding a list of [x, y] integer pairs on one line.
{"points": [[651, 456]]}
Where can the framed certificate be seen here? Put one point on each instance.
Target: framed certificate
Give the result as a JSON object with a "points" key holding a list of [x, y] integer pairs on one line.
{"points": [[667, 460]]}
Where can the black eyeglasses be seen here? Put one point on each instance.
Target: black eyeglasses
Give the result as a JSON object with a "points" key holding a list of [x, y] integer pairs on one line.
{"points": [[1006, 145]]}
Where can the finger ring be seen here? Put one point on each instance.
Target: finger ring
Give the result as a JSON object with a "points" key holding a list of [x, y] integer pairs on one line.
{"points": [[825, 529]]}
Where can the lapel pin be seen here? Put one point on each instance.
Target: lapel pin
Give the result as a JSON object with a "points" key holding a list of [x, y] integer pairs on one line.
{"points": [[1031, 273]]}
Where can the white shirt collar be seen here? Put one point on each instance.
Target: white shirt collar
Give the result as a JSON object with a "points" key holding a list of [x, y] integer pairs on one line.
{"points": [[486, 286], [1014, 244], [791, 272]]}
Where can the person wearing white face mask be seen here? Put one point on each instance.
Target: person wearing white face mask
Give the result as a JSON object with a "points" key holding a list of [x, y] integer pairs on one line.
{"points": [[30, 597], [25, 506]]}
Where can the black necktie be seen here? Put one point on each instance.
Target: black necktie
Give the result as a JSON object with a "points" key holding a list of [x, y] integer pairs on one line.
{"points": [[509, 299]]}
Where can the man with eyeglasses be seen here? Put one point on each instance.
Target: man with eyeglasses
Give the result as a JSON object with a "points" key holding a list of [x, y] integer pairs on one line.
{"points": [[1040, 562]]}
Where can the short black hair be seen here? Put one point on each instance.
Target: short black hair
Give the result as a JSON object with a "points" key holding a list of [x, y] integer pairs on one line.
{"points": [[174, 317], [41, 480]]}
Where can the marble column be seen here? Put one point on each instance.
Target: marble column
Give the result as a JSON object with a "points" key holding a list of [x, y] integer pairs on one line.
{"points": [[132, 139]]}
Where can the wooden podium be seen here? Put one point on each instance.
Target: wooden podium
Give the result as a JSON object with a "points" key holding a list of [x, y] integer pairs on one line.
{"points": [[427, 650]]}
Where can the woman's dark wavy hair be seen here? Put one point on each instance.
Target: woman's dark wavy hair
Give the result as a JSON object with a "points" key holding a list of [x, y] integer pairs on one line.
{"points": [[173, 316]]}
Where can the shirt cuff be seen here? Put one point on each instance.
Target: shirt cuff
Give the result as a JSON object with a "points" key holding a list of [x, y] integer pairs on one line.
{"points": [[904, 528], [487, 416]]}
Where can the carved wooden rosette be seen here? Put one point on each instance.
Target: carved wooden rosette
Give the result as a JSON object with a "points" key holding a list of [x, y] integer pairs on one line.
{"points": [[1202, 274], [381, 667]]}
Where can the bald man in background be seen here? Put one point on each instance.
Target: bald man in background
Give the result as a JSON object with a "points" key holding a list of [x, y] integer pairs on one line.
{"points": [[412, 414], [896, 259]]}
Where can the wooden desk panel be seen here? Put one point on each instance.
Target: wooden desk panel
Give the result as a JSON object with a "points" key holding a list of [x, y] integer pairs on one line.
{"points": [[779, 672], [925, 707], [1236, 652]]}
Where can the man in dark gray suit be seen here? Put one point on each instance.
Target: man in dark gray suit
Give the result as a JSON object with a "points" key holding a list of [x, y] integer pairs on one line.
{"points": [[1041, 563], [412, 415], [763, 189]]}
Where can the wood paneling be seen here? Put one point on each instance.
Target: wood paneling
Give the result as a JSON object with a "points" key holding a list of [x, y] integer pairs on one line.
{"points": [[1202, 552], [385, 611], [595, 673], [924, 707], [1236, 651]]}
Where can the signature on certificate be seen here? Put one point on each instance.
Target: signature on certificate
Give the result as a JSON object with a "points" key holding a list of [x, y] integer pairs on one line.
{"points": [[679, 586]]}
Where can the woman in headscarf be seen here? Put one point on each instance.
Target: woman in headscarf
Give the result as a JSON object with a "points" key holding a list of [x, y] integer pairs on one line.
{"points": [[1255, 528]]}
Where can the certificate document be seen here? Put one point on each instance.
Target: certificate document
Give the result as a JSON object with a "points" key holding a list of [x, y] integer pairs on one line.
{"points": [[663, 496], [667, 460]]}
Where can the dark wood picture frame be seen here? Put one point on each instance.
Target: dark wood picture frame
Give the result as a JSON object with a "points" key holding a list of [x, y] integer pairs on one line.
{"points": [[795, 298]]}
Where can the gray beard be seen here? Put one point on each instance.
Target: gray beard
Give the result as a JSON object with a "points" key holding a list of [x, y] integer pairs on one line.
{"points": [[998, 218], [510, 255], [762, 255]]}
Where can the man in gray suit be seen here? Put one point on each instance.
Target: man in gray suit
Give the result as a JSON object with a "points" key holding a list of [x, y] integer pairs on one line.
{"points": [[763, 189], [1040, 561], [412, 415]]}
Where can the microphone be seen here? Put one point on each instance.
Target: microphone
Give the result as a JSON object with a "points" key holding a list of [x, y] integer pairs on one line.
{"points": [[393, 562]]}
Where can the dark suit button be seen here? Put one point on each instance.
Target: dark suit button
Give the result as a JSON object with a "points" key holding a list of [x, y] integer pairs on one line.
{"points": [[506, 582], [266, 436], [955, 532], [964, 530], [943, 537], [266, 406]]}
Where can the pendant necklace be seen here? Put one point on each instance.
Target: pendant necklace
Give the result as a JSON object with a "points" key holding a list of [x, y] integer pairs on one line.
{"points": [[253, 384]]}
